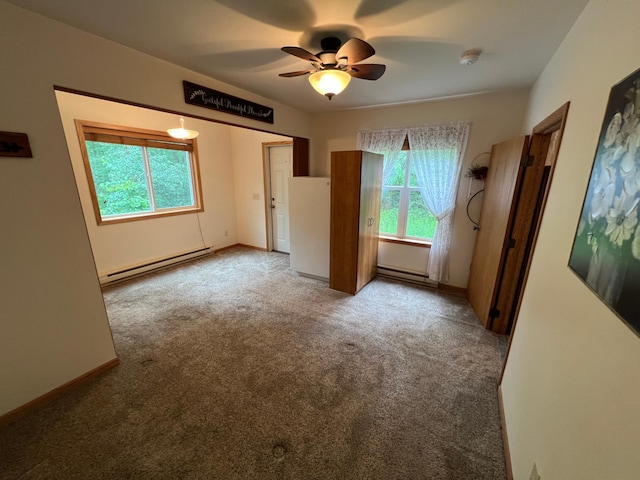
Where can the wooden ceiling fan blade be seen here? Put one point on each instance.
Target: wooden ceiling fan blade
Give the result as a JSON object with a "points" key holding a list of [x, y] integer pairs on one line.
{"points": [[355, 50], [295, 74], [301, 53], [367, 71]]}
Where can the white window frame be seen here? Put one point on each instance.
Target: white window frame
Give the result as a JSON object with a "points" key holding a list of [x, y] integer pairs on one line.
{"points": [[403, 209]]}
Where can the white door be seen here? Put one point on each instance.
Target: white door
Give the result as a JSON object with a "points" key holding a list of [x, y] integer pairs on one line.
{"points": [[281, 165]]}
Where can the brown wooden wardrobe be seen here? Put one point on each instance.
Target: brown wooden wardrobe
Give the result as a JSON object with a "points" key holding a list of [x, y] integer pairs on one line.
{"points": [[356, 183]]}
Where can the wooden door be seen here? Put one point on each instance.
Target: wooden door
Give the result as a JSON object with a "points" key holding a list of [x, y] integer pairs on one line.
{"points": [[370, 193], [526, 210], [345, 220], [496, 218], [375, 198]]}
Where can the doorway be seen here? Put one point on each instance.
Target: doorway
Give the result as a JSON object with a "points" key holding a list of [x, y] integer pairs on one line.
{"points": [[278, 168]]}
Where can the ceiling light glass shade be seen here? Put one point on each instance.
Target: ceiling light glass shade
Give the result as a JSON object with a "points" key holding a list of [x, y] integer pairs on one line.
{"points": [[329, 82], [182, 133]]}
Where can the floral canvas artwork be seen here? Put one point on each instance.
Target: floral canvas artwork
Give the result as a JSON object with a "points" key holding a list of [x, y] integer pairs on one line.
{"points": [[606, 249]]}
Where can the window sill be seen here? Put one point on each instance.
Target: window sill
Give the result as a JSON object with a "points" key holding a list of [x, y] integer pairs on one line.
{"points": [[147, 216], [406, 241]]}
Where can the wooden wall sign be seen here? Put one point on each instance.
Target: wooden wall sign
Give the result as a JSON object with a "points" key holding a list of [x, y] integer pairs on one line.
{"points": [[215, 100], [14, 145]]}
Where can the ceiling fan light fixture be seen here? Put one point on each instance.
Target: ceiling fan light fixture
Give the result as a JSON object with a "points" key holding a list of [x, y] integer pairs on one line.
{"points": [[181, 132], [329, 82]]}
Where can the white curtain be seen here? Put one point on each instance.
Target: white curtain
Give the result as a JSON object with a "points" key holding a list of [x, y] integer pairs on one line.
{"points": [[387, 142], [436, 157]]}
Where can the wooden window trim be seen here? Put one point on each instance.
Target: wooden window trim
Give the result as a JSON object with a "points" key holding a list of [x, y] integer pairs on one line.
{"points": [[142, 137], [405, 241]]}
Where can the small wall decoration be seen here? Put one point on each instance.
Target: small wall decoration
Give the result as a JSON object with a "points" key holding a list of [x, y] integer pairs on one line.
{"points": [[477, 172], [14, 144], [606, 248], [215, 100]]}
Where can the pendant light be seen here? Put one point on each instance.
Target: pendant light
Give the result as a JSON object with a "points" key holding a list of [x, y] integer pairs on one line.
{"points": [[181, 132]]}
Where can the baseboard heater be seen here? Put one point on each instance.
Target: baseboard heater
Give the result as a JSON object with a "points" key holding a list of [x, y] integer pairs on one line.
{"points": [[154, 265], [406, 276]]}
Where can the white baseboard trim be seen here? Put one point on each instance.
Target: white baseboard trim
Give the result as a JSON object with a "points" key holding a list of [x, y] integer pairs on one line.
{"points": [[399, 274], [152, 265]]}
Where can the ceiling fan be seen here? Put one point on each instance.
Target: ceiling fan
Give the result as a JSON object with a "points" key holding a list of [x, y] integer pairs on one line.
{"points": [[334, 66]]}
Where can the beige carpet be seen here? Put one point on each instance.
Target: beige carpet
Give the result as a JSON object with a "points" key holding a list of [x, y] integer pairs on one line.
{"points": [[233, 367]]}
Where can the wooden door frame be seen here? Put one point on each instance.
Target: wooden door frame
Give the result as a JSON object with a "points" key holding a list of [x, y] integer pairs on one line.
{"points": [[553, 123], [266, 179], [522, 221]]}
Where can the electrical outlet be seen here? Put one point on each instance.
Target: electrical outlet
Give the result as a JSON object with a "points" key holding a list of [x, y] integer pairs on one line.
{"points": [[226, 233], [534, 473], [256, 196]]}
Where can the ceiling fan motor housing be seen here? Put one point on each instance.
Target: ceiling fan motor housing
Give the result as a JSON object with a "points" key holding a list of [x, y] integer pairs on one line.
{"points": [[330, 44], [328, 59]]}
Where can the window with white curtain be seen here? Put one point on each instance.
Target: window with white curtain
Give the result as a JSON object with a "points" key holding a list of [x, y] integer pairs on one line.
{"points": [[403, 213], [431, 171]]}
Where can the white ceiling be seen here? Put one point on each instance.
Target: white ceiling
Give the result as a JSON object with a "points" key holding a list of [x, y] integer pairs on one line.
{"points": [[420, 41]]}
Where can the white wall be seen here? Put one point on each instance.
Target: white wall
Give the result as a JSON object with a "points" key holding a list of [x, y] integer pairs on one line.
{"points": [[572, 381], [122, 245], [494, 117], [249, 180], [411, 259], [53, 323], [231, 171]]}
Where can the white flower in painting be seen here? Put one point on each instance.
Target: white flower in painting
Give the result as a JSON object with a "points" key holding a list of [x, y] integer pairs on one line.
{"points": [[632, 143], [619, 152], [603, 194], [629, 120], [612, 130], [637, 132], [606, 158], [622, 219], [628, 164], [631, 183], [627, 114]]}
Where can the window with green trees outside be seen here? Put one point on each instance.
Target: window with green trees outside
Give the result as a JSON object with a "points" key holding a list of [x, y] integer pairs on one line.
{"points": [[136, 174], [403, 213]]}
